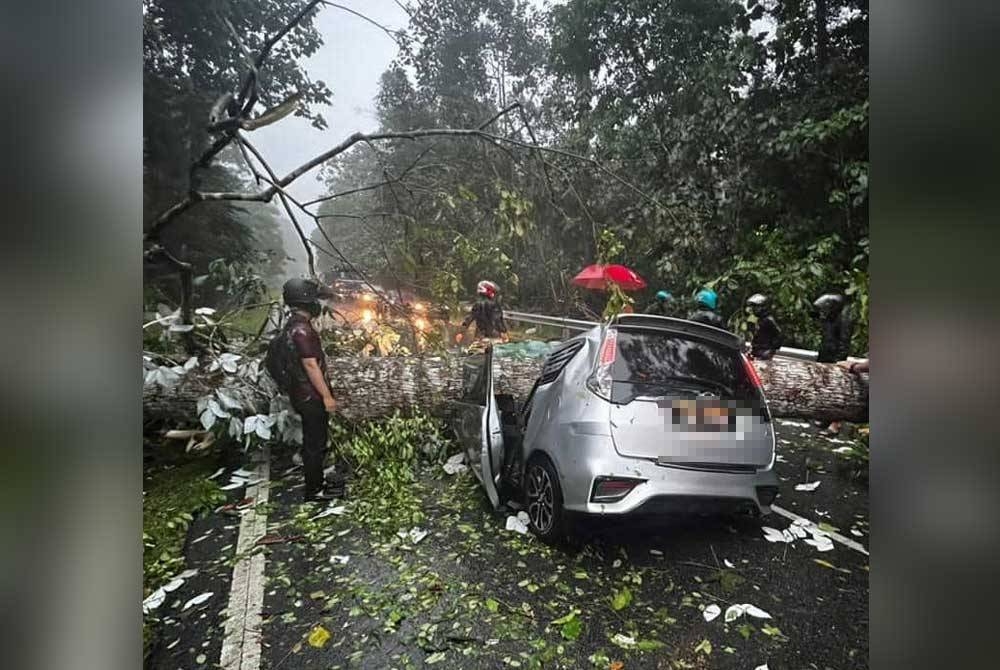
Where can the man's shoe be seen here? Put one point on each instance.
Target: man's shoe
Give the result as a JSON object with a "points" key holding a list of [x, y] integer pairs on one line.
{"points": [[323, 495]]}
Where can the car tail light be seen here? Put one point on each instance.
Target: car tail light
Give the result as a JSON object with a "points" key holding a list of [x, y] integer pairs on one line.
{"points": [[752, 372], [613, 489], [599, 381]]}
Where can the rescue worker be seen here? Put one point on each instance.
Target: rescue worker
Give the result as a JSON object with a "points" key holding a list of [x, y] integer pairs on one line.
{"points": [[310, 391], [486, 312], [766, 334], [836, 323], [661, 305], [706, 302]]}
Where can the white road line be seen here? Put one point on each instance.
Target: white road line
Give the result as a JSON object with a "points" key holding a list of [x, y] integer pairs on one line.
{"points": [[846, 541], [241, 645]]}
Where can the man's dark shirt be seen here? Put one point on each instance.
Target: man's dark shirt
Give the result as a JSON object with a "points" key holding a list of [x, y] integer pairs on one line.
{"points": [[488, 317], [708, 317], [305, 341], [766, 339], [836, 337]]}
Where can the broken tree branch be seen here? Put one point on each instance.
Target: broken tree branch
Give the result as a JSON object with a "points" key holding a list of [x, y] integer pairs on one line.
{"points": [[310, 258], [355, 138]]}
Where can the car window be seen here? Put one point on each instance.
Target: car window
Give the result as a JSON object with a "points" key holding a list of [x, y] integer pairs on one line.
{"points": [[654, 363], [474, 380]]}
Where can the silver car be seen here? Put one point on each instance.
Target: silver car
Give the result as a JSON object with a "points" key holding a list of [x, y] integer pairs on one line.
{"points": [[645, 415]]}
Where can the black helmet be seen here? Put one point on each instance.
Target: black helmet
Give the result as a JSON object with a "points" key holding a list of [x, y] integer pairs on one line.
{"points": [[758, 303], [829, 305], [304, 292]]}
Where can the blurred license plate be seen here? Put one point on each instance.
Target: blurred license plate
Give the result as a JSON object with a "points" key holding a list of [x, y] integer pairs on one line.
{"points": [[703, 415]]}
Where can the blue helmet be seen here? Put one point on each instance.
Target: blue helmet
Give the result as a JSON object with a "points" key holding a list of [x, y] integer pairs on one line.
{"points": [[663, 296], [707, 298]]}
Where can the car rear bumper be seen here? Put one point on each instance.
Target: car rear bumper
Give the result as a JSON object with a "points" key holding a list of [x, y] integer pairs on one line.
{"points": [[665, 489]]}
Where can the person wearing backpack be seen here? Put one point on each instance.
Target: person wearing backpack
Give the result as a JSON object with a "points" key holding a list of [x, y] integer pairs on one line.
{"points": [[296, 362]]}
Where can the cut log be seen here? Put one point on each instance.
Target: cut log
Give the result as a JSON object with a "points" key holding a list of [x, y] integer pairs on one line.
{"points": [[367, 388]]}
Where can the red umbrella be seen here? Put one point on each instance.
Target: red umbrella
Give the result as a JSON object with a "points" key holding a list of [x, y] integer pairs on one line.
{"points": [[598, 276]]}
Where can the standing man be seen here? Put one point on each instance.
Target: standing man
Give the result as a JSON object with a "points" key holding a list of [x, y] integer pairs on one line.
{"points": [[706, 302], [837, 326], [486, 312], [766, 335], [307, 385], [661, 305]]}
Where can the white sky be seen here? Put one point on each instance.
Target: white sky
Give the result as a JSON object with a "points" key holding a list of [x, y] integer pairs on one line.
{"points": [[353, 57]]}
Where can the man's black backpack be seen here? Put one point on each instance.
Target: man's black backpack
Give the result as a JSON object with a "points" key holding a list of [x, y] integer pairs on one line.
{"points": [[280, 359]]}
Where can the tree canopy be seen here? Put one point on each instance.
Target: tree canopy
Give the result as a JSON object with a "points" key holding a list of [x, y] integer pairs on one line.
{"points": [[723, 144]]}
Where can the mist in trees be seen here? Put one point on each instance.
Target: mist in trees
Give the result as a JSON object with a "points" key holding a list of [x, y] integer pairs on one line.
{"points": [[744, 126]]}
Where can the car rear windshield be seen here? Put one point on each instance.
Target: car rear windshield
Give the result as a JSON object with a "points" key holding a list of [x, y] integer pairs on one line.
{"points": [[657, 364]]}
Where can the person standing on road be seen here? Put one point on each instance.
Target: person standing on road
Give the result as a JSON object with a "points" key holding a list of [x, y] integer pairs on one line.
{"points": [[707, 301], [661, 305], [836, 325], [308, 389], [766, 334], [486, 313]]}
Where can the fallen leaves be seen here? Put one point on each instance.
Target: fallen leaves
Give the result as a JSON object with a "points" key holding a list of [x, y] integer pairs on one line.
{"points": [[456, 464], [827, 564], [704, 647], [570, 626], [811, 486], [277, 538], [621, 600], [711, 612], [623, 641], [318, 637], [518, 523], [197, 600]]}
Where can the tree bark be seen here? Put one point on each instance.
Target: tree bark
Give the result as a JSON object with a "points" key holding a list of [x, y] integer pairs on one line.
{"points": [[367, 388]]}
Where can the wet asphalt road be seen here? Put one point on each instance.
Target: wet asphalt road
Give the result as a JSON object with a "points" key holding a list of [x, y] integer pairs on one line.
{"points": [[471, 594]]}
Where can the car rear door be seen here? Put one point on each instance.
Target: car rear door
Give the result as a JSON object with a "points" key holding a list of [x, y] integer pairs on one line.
{"points": [[478, 422], [686, 398]]}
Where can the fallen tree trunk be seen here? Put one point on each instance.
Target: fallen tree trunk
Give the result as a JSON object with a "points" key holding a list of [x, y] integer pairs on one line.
{"points": [[371, 387]]}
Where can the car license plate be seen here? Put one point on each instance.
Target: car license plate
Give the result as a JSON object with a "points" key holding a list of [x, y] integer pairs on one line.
{"points": [[702, 415]]}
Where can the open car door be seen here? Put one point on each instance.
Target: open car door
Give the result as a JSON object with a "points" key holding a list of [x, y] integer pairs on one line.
{"points": [[478, 424]]}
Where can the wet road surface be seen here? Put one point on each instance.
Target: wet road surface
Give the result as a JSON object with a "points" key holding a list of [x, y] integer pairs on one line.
{"points": [[473, 595]]}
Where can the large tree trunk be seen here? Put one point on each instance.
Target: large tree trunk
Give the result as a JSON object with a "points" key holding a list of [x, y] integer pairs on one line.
{"points": [[371, 387]]}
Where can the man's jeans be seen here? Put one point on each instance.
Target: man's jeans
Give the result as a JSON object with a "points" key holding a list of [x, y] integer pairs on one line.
{"points": [[315, 421]]}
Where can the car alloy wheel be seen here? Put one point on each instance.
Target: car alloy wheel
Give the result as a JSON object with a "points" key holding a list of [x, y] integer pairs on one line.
{"points": [[540, 498]]}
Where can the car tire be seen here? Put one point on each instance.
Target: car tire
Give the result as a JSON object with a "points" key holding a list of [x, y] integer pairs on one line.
{"points": [[543, 501]]}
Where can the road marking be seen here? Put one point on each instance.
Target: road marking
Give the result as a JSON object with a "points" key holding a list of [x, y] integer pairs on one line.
{"points": [[241, 645], [846, 541]]}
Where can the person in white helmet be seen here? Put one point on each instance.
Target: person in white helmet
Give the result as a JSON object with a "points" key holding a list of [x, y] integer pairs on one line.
{"points": [[486, 313]]}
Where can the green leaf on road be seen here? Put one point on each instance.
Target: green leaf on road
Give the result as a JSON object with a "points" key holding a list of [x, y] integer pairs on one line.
{"points": [[436, 657], [621, 600], [704, 647], [745, 630], [572, 628], [492, 605], [650, 645], [771, 631], [827, 564], [564, 619]]}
